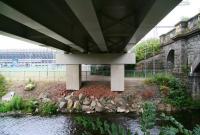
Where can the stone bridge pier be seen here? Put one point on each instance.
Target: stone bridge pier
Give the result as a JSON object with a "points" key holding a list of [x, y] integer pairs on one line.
{"points": [[73, 67]]}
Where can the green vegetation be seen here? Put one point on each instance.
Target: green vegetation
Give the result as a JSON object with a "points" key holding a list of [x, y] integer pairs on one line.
{"points": [[100, 127], [28, 106], [18, 104], [151, 47], [48, 108], [174, 127], [3, 89], [148, 117], [172, 88]]}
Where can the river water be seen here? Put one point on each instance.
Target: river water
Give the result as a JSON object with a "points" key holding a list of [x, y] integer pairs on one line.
{"points": [[64, 125]]}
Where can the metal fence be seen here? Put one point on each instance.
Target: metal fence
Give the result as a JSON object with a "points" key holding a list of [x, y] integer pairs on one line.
{"points": [[60, 75]]}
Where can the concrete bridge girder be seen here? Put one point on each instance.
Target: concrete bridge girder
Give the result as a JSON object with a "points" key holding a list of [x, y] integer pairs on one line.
{"points": [[92, 27]]}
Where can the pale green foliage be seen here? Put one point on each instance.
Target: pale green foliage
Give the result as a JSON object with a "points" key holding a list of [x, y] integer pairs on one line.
{"points": [[177, 125], [196, 130], [97, 126], [168, 131]]}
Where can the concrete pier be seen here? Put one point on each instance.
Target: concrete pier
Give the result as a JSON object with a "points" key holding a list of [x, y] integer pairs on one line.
{"points": [[117, 77], [73, 81]]}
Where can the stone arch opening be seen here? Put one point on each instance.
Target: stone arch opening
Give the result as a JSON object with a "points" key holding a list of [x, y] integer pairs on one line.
{"points": [[171, 59], [197, 69]]}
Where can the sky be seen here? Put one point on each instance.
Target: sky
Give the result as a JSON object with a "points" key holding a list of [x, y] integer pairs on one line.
{"points": [[188, 8]]}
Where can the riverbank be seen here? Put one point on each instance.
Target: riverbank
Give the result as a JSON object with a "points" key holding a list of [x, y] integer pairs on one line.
{"points": [[93, 97]]}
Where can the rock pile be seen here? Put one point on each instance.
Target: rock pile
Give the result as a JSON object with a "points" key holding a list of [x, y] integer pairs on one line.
{"points": [[91, 104]]}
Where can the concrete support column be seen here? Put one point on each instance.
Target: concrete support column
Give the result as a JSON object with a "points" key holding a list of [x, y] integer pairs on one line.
{"points": [[73, 77], [117, 77]]}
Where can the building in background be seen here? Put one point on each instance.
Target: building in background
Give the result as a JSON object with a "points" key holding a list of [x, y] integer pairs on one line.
{"points": [[27, 58]]}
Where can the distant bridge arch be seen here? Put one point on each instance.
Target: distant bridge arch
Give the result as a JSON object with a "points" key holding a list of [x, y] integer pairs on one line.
{"points": [[171, 59]]}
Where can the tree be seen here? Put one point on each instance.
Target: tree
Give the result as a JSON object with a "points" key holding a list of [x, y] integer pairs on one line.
{"points": [[152, 47]]}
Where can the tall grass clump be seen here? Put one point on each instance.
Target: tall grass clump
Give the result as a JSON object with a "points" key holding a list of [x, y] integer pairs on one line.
{"points": [[18, 104], [48, 108], [3, 89]]}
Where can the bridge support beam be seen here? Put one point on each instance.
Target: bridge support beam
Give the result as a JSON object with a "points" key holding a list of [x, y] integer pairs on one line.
{"points": [[117, 77], [117, 62], [73, 73]]}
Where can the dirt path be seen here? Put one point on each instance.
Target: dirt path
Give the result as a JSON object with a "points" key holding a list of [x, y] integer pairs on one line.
{"points": [[55, 90]]}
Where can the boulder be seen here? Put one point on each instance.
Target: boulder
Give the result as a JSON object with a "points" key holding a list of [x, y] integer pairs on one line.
{"points": [[9, 96], [121, 109], [93, 104], [85, 108], [112, 102], [86, 101], [120, 101], [80, 96], [161, 107], [77, 106], [68, 97], [110, 108], [99, 108], [69, 104], [62, 104], [103, 101]]}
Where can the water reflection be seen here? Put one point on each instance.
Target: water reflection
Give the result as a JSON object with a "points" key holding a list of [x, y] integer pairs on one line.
{"points": [[64, 125], [58, 125], [35, 125]]}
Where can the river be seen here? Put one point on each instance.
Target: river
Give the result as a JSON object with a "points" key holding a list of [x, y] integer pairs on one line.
{"points": [[64, 125]]}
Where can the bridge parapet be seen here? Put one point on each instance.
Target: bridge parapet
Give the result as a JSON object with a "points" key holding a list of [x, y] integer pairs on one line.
{"points": [[182, 29]]}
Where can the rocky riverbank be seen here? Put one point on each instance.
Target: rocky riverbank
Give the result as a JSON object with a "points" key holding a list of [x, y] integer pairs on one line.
{"points": [[95, 97]]}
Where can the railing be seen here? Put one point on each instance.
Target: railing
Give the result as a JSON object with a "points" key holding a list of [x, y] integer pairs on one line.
{"points": [[56, 76]]}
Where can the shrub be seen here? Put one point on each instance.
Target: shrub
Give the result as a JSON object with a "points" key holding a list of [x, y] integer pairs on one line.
{"points": [[148, 117], [161, 79], [3, 89], [173, 89], [15, 104], [30, 106], [48, 108], [176, 128]]}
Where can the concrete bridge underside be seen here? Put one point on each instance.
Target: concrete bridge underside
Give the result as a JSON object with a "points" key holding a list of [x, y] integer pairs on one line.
{"points": [[85, 27]]}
